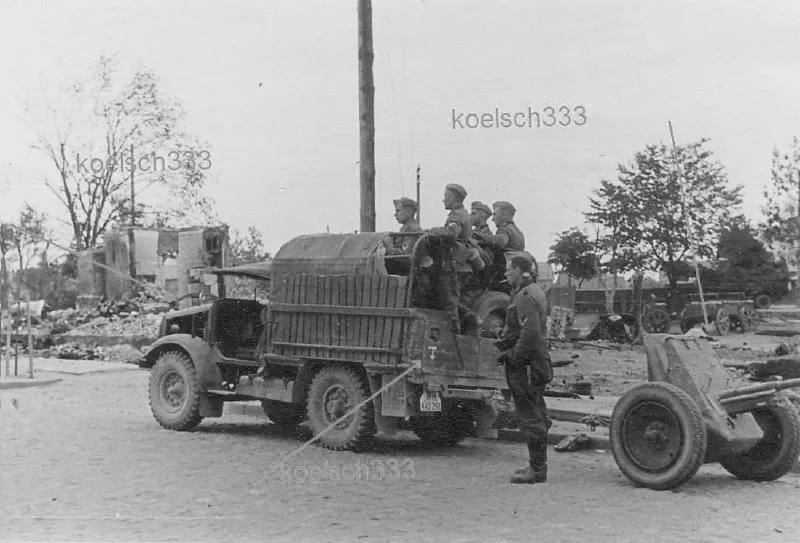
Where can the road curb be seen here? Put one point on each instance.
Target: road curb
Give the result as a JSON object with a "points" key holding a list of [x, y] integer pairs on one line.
{"points": [[28, 383]]}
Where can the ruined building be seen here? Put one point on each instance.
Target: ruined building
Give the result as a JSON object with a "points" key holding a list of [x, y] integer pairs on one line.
{"points": [[169, 259]]}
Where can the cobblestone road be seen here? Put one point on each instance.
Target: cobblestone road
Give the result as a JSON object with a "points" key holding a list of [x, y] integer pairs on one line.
{"points": [[84, 460]]}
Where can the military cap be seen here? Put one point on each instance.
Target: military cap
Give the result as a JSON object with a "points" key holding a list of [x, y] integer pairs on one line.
{"points": [[458, 189], [480, 206], [506, 206], [407, 202]]}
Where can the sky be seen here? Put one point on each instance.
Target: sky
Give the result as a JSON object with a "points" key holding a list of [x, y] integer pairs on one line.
{"points": [[273, 87]]}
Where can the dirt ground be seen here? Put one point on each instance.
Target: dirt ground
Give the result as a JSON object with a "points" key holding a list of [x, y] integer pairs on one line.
{"points": [[614, 368], [83, 460]]}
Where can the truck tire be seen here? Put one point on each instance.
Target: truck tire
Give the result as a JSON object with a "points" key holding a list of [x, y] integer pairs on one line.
{"points": [[762, 301], [174, 392], [776, 453], [658, 436], [335, 391], [282, 414], [447, 429], [491, 308]]}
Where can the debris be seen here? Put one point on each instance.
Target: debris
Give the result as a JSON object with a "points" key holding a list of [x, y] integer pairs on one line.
{"points": [[613, 328], [778, 332], [576, 442]]}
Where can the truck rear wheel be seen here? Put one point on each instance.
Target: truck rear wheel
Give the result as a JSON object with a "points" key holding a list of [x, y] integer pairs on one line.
{"points": [[334, 392], [777, 452], [446, 429], [285, 415], [175, 390], [491, 308]]}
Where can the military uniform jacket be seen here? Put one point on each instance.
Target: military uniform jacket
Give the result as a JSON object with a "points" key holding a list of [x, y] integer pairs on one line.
{"points": [[404, 244], [458, 224], [457, 227], [527, 319], [508, 237]]}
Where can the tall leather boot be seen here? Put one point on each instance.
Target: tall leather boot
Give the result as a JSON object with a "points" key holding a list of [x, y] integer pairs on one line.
{"points": [[536, 472]]}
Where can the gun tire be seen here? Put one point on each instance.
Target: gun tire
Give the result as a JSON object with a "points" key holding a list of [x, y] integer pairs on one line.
{"points": [[174, 392], [722, 321], [776, 453], [658, 437], [335, 391]]}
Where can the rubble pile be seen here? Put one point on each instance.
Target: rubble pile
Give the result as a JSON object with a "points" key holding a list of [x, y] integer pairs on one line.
{"points": [[74, 350], [134, 324]]}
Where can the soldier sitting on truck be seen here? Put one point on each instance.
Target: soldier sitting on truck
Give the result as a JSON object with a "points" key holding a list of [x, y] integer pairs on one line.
{"points": [[405, 211]]}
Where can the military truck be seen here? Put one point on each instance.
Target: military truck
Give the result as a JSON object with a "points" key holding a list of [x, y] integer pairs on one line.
{"points": [[342, 321]]}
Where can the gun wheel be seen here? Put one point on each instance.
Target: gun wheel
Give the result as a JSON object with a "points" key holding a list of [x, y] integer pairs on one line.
{"points": [[722, 321], [656, 321], [776, 453], [658, 437]]}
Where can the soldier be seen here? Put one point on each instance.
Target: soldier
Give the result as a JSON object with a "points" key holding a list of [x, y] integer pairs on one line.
{"points": [[507, 237], [405, 211], [456, 230], [524, 345], [479, 217]]}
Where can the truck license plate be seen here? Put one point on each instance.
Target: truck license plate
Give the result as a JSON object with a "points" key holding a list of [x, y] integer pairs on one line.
{"points": [[430, 401]]}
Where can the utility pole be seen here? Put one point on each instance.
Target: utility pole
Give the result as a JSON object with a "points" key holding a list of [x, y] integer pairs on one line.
{"points": [[419, 202], [366, 115], [691, 240], [131, 238]]}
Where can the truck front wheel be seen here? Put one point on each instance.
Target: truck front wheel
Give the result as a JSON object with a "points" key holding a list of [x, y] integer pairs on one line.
{"points": [[175, 392], [334, 392]]}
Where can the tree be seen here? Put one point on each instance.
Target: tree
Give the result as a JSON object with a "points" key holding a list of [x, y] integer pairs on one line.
{"points": [[112, 140], [781, 228], [745, 264], [613, 256], [24, 240], [7, 236], [665, 206], [249, 248], [574, 254]]}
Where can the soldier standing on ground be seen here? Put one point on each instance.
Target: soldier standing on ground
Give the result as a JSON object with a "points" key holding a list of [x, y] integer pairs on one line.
{"points": [[457, 231], [524, 348], [507, 237]]}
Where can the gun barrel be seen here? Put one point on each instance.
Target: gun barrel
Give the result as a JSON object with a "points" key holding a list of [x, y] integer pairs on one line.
{"points": [[759, 387]]}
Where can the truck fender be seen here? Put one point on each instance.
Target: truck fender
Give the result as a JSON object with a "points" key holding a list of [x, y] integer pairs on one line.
{"points": [[195, 348]]}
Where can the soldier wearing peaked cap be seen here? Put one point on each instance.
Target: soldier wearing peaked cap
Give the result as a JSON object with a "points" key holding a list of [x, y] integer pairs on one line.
{"points": [[507, 237]]}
